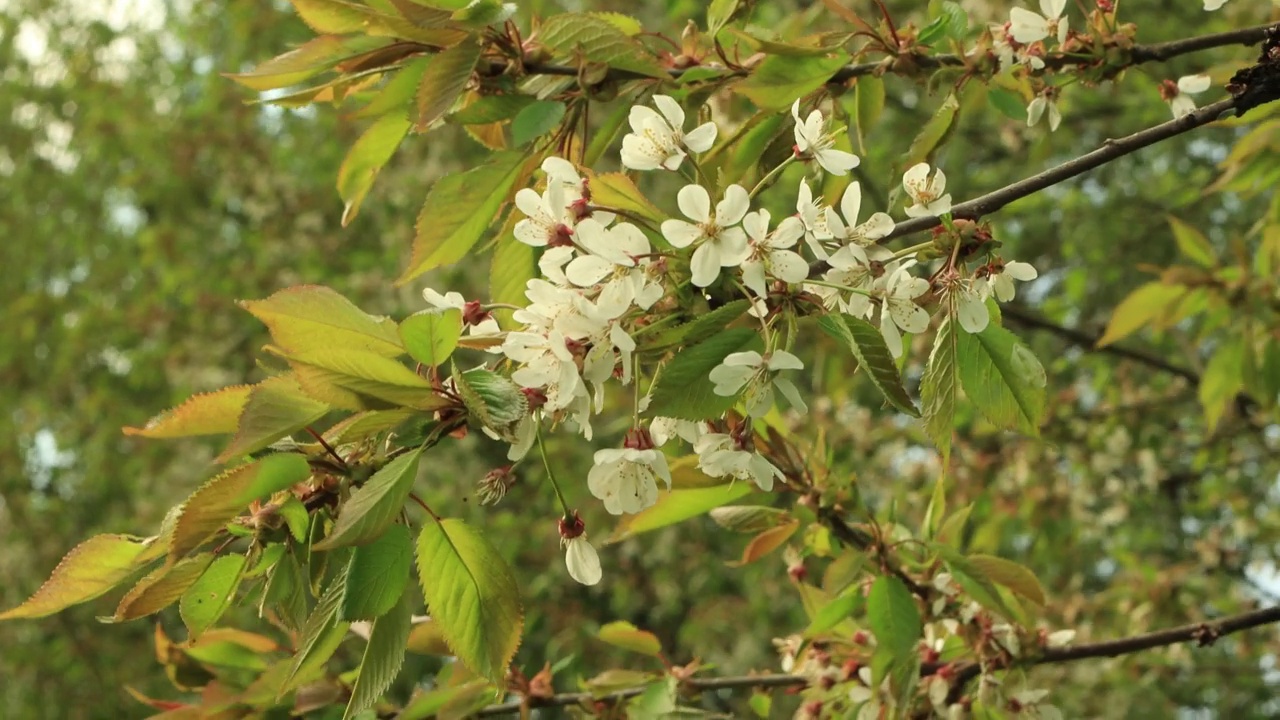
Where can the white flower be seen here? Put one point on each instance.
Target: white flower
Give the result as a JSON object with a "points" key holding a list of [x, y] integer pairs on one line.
{"points": [[546, 364], [1038, 108], [1060, 638], [548, 219], [1012, 52], [610, 249], [968, 300], [900, 309], [812, 139], [1214, 4], [926, 191], [752, 369], [769, 253], [723, 245], [658, 141], [1178, 96], [1002, 281], [848, 230], [626, 478], [814, 218], [719, 455], [662, 429], [453, 300], [1028, 27], [582, 560], [850, 268]]}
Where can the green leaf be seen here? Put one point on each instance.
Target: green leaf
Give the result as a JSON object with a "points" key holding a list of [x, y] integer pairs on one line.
{"points": [[91, 568], [492, 399], [536, 120], [314, 317], [677, 506], [276, 407], [751, 146], [512, 268], [934, 132], [683, 389], [835, 612], [430, 336], [698, 329], [458, 210], [779, 80], [1142, 307], [306, 61], [491, 108], [894, 618], [973, 581], [320, 636], [374, 505], [958, 23], [212, 413], [719, 13], [358, 380], [365, 158], [398, 91], [377, 575], [161, 588], [1011, 575], [656, 702], [599, 41], [285, 594], [1222, 380], [1192, 243], [1009, 103], [444, 80], [867, 345], [623, 634], [205, 601], [364, 425], [995, 385], [472, 594], [748, 518], [939, 28], [224, 497], [619, 192], [939, 388], [331, 16], [384, 653], [869, 106]]}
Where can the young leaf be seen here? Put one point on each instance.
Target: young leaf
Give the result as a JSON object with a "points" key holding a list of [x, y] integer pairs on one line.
{"points": [[383, 655], [219, 500], [377, 575], [933, 132], [994, 384], [973, 581], [536, 120], [365, 425], [365, 159], [512, 268], [779, 80], [430, 336], [486, 109], [765, 543], [1223, 378], [305, 61], [1011, 575], [212, 413], [677, 506], [362, 379], [276, 407], [748, 518], [374, 505], [599, 41], [492, 399], [443, 81], [1009, 103], [699, 329], [939, 388], [472, 594], [1192, 243], [867, 345], [623, 634], [1140, 308], [161, 588], [835, 611], [205, 601], [320, 636], [869, 106], [683, 389], [615, 190], [894, 618], [458, 210], [91, 568], [312, 317], [331, 16]]}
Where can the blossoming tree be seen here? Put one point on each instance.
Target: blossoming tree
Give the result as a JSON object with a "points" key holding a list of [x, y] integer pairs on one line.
{"points": [[678, 242]]}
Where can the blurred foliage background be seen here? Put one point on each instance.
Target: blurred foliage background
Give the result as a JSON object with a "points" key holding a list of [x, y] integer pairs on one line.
{"points": [[143, 195]]}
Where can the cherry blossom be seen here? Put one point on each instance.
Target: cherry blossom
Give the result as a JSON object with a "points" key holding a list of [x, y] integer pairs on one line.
{"points": [[1027, 27], [1002, 275], [722, 244], [1044, 104], [899, 309], [658, 140], [1178, 95], [753, 370], [850, 268], [812, 140], [769, 252], [720, 455], [926, 191], [548, 220], [609, 249], [849, 230], [580, 556], [626, 478], [477, 320], [813, 217]]}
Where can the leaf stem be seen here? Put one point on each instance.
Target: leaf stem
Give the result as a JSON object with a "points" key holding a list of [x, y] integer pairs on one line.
{"points": [[542, 450]]}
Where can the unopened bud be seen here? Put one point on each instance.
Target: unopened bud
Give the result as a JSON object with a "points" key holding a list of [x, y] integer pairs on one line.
{"points": [[473, 313]]}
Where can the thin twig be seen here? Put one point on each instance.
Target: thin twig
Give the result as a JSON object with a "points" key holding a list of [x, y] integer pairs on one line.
{"points": [[696, 684]]}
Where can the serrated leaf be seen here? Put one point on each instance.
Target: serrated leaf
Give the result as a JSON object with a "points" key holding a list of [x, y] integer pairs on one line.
{"points": [[485, 109], [765, 543], [1009, 103], [615, 190], [868, 346], [599, 41], [362, 380], [365, 159], [698, 329], [973, 581], [894, 618], [939, 388], [374, 505], [1140, 308], [426, 639], [933, 132], [398, 91], [331, 16], [677, 506], [536, 120], [1011, 575], [999, 389], [211, 413], [276, 407], [958, 25], [430, 336], [224, 497], [314, 317], [377, 575], [748, 518], [458, 211], [1192, 243], [367, 424], [443, 81], [779, 80], [472, 594], [206, 599], [493, 399], [285, 595], [383, 654], [91, 568], [161, 588], [305, 61], [683, 389], [623, 634], [320, 636], [1223, 378]]}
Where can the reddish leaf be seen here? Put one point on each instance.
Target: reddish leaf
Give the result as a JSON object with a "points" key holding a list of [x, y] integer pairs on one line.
{"points": [[92, 568], [766, 542], [211, 413]]}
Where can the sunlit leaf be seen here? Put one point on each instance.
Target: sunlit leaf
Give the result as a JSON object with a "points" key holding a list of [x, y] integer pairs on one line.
{"points": [[600, 41], [161, 588], [91, 568], [362, 380], [623, 634], [616, 190], [276, 407], [443, 81], [780, 79], [748, 518], [312, 317], [377, 575], [430, 336], [1222, 380], [374, 505], [1011, 575], [1140, 308], [678, 506], [207, 598], [212, 413], [994, 384], [765, 543], [1192, 243], [365, 159], [306, 61], [973, 581]]}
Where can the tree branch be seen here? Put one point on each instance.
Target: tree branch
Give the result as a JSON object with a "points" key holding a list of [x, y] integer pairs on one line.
{"points": [[695, 684]]}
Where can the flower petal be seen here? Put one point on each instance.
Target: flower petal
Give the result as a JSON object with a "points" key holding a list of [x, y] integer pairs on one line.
{"points": [[701, 138], [1193, 83], [695, 203], [753, 277], [851, 203], [705, 264], [587, 270], [972, 313], [680, 233], [757, 225], [733, 207], [788, 266], [671, 110], [837, 162], [583, 561]]}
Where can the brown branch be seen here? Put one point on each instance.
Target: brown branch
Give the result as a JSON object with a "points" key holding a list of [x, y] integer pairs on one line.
{"points": [[862, 540], [695, 684]]}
